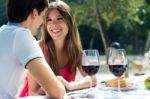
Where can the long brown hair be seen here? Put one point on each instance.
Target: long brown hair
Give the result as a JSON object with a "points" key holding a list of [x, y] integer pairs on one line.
{"points": [[72, 43]]}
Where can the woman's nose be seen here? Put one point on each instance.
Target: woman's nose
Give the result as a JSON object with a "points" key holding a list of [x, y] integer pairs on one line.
{"points": [[54, 22]]}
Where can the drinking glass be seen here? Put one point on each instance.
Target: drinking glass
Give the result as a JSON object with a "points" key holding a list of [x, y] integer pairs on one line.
{"points": [[117, 63], [90, 64]]}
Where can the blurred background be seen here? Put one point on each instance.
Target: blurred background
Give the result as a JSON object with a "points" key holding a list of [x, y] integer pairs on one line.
{"points": [[102, 22]]}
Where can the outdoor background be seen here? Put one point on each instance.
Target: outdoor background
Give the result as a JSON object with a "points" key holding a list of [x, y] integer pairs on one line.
{"points": [[102, 22]]}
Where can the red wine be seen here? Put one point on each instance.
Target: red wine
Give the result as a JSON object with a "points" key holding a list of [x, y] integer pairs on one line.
{"points": [[91, 69], [117, 70]]}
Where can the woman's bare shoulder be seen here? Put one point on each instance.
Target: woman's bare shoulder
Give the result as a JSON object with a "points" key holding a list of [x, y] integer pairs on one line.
{"points": [[40, 42]]}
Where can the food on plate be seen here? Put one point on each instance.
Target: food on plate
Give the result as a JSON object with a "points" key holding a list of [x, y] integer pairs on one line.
{"points": [[114, 83], [147, 82]]}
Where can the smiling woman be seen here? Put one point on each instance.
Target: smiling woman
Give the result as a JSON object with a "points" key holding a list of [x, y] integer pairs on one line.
{"points": [[62, 49]]}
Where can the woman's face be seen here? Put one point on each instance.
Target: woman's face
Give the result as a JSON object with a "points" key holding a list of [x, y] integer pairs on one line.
{"points": [[56, 25]]}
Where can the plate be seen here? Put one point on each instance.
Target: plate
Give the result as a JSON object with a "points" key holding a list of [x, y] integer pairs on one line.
{"points": [[104, 87]]}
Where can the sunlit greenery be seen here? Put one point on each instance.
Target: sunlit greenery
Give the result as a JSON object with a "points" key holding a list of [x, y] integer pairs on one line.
{"points": [[124, 21]]}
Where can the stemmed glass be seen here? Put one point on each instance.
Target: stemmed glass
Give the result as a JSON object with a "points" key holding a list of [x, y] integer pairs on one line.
{"points": [[117, 63], [90, 64]]}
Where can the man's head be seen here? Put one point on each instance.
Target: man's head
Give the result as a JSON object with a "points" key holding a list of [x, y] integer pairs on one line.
{"points": [[19, 10]]}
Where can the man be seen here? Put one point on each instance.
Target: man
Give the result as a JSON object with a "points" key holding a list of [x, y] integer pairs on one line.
{"points": [[19, 49]]}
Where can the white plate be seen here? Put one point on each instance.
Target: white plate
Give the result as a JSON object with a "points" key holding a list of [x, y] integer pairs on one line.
{"points": [[103, 86]]}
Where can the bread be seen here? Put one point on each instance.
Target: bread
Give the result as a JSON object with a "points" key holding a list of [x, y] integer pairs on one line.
{"points": [[114, 83]]}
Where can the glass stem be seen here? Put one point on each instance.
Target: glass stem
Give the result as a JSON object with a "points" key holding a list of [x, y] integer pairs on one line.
{"points": [[119, 85], [90, 83]]}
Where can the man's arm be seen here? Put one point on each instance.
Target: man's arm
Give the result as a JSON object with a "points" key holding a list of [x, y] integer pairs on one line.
{"points": [[33, 86], [43, 74]]}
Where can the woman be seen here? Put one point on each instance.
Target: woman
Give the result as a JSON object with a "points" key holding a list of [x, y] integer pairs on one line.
{"points": [[61, 47]]}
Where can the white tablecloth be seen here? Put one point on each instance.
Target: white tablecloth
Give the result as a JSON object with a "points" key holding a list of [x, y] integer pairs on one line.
{"points": [[139, 91]]}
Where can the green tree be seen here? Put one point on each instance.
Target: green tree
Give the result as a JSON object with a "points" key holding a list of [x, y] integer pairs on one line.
{"points": [[124, 14], [3, 18]]}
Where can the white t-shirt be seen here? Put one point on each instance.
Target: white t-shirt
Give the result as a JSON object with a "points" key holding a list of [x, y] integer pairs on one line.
{"points": [[17, 48]]}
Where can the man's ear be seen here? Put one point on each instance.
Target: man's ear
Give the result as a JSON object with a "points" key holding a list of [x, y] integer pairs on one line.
{"points": [[34, 13]]}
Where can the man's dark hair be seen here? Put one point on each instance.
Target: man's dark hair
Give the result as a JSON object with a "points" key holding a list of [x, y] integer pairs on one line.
{"points": [[19, 10]]}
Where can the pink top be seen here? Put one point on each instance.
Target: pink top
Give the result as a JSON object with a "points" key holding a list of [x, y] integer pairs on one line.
{"points": [[65, 72]]}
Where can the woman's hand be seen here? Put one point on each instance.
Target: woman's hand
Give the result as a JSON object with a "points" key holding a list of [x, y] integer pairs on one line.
{"points": [[68, 85], [84, 83]]}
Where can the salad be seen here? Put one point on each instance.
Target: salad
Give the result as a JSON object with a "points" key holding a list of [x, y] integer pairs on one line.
{"points": [[147, 54]]}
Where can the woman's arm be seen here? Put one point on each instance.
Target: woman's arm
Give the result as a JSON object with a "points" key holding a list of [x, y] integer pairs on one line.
{"points": [[84, 83], [75, 85]]}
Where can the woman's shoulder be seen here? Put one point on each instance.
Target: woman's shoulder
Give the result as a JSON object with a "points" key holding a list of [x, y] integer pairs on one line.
{"points": [[41, 43], [43, 46]]}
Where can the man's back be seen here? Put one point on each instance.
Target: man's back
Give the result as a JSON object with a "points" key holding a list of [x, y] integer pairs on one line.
{"points": [[10, 68]]}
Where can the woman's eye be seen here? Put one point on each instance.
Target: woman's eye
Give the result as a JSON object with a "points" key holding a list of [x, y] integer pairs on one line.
{"points": [[48, 20], [59, 18]]}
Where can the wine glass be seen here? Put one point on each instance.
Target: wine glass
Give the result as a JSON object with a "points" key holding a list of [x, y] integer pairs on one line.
{"points": [[117, 63], [90, 64]]}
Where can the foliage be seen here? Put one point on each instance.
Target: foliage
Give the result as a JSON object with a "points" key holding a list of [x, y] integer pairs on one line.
{"points": [[3, 18], [124, 21], [86, 36]]}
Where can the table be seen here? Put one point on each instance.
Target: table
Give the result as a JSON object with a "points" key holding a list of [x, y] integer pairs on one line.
{"points": [[140, 92], [37, 97]]}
